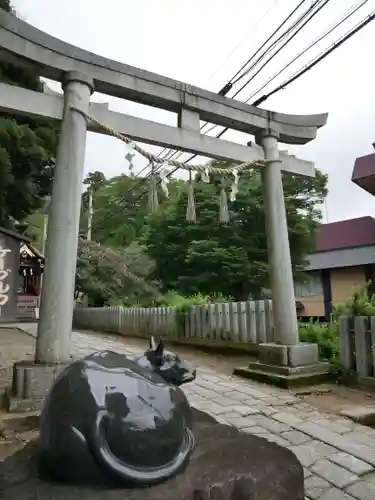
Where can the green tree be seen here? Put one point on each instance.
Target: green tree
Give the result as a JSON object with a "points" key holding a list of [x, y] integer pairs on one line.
{"points": [[209, 257], [106, 275], [27, 151], [120, 211]]}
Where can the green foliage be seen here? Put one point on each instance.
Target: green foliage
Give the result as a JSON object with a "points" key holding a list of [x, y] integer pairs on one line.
{"points": [[27, 152], [211, 258], [119, 215], [174, 299], [105, 275], [326, 335], [360, 304]]}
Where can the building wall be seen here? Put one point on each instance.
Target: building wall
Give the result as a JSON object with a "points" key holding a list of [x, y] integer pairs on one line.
{"points": [[313, 306], [344, 281]]}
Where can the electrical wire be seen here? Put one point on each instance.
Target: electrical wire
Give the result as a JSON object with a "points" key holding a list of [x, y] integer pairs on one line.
{"points": [[320, 5], [229, 85], [310, 13], [319, 58], [349, 13], [252, 29], [306, 68]]}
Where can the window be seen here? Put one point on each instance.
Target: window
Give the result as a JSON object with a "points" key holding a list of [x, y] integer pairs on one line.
{"points": [[311, 287]]}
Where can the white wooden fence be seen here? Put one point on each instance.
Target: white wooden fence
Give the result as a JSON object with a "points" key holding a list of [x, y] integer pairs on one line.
{"points": [[357, 347], [247, 322]]}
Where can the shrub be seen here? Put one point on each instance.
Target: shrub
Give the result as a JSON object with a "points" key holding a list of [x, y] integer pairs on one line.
{"points": [[360, 304], [326, 335]]}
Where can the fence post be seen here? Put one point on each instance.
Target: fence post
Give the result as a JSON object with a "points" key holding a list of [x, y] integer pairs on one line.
{"points": [[226, 321], [233, 321], [268, 320], [220, 325], [211, 321], [260, 322], [361, 346], [372, 325], [346, 354]]}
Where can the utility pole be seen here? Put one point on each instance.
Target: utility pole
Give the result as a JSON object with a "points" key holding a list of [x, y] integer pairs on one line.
{"points": [[91, 213]]}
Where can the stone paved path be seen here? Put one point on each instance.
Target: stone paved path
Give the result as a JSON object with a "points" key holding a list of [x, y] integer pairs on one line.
{"points": [[338, 455]]}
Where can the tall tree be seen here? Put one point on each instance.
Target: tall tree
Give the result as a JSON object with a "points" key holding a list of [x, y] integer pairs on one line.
{"points": [[106, 275], [27, 151], [231, 259], [120, 211]]}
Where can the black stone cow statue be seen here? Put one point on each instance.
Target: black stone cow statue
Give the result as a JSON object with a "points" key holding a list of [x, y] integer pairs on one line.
{"points": [[113, 419]]}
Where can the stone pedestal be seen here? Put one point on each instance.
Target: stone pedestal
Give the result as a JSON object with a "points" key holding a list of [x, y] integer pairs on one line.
{"points": [[287, 365], [226, 465], [31, 383]]}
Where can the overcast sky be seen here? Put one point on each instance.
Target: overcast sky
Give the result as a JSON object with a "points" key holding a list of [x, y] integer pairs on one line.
{"points": [[204, 43]]}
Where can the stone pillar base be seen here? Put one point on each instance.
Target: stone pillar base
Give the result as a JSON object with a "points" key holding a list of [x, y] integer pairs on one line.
{"points": [[31, 383], [287, 366]]}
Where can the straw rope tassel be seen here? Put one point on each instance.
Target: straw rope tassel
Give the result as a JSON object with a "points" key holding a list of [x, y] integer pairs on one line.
{"points": [[191, 215], [224, 213], [153, 201]]}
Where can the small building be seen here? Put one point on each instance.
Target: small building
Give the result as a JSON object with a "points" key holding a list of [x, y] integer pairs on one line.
{"points": [[21, 270], [343, 261]]}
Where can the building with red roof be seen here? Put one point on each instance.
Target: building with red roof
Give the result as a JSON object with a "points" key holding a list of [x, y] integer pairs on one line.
{"points": [[343, 261]]}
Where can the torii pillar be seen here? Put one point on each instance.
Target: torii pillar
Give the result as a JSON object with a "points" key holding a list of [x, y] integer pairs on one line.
{"points": [[286, 361]]}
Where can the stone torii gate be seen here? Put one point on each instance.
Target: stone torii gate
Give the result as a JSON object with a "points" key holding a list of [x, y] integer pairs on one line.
{"points": [[81, 73]]}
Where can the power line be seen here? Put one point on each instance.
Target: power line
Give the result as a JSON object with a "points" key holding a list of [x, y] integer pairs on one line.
{"points": [[310, 13], [252, 29], [278, 39], [342, 19], [229, 85], [234, 80], [309, 66], [319, 58], [257, 102]]}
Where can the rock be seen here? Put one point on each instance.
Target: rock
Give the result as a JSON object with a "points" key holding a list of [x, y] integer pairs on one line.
{"points": [[226, 465]]}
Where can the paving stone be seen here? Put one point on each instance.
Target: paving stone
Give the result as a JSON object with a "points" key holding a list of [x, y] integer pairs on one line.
{"points": [[270, 424], [306, 472], [206, 393], [239, 422], [364, 489], [359, 451], [255, 429], [273, 438], [220, 400], [295, 437], [343, 443], [312, 451], [362, 438], [332, 426], [212, 408], [335, 494], [287, 418], [364, 414], [333, 473], [230, 415], [315, 486], [239, 396], [351, 463], [244, 410], [255, 393]]}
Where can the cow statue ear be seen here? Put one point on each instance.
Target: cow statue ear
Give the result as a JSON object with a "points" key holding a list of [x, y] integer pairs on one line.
{"points": [[160, 348], [152, 343]]}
